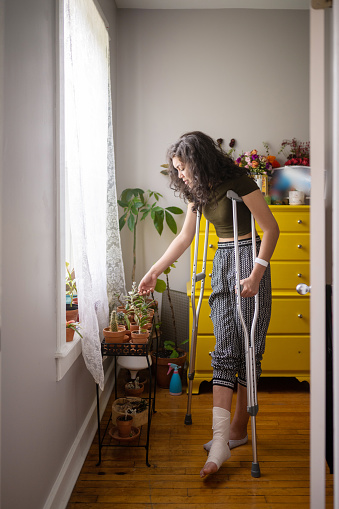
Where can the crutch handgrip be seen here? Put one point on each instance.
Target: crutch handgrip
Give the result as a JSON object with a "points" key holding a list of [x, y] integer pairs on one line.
{"points": [[200, 276], [232, 195]]}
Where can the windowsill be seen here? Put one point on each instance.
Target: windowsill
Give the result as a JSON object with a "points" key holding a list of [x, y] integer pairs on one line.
{"points": [[67, 356]]}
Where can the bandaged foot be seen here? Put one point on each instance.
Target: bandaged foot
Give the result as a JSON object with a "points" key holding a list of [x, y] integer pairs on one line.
{"points": [[232, 443], [220, 451]]}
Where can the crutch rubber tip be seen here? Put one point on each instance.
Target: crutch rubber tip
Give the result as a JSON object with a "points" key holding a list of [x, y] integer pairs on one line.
{"points": [[255, 470], [188, 419]]}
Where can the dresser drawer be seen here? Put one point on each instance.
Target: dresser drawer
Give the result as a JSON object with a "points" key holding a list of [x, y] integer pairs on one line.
{"points": [[290, 315], [286, 353], [282, 353], [291, 219], [292, 246], [287, 275]]}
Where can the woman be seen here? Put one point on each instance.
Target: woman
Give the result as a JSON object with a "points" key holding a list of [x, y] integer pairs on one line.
{"points": [[203, 174]]}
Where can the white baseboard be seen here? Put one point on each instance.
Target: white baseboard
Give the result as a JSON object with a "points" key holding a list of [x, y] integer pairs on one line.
{"points": [[70, 470]]}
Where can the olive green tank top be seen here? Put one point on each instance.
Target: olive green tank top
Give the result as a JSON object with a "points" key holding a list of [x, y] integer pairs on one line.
{"points": [[219, 211]]}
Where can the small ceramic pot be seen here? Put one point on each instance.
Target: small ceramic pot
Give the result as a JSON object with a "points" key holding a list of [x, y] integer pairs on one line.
{"points": [[115, 337], [124, 425], [139, 337]]}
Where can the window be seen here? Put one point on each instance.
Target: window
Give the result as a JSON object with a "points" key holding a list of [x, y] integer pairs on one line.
{"points": [[83, 131]]}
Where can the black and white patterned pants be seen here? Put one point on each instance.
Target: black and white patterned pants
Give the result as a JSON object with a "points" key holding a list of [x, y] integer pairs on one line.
{"points": [[228, 358]]}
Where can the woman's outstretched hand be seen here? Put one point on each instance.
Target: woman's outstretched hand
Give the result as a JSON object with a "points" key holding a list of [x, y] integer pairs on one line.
{"points": [[147, 284]]}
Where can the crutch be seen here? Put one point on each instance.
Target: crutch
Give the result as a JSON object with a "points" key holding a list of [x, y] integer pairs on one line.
{"points": [[252, 401], [195, 310]]}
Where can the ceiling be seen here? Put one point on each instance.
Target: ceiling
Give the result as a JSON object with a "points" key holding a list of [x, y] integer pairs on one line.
{"points": [[213, 4]]}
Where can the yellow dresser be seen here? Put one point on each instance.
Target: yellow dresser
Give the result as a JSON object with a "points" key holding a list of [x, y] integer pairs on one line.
{"points": [[287, 342]]}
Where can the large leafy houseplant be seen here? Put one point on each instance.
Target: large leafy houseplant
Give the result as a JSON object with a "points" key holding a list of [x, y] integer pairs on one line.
{"points": [[137, 205]]}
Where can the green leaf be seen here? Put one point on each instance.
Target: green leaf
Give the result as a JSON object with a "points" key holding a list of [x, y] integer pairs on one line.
{"points": [[171, 222], [122, 204], [164, 165], [174, 355], [160, 286], [131, 222], [167, 271], [159, 221], [145, 214], [122, 221], [164, 172], [175, 210]]}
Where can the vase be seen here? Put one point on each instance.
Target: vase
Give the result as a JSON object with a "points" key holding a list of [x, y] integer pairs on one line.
{"points": [[296, 198], [262, 183]]}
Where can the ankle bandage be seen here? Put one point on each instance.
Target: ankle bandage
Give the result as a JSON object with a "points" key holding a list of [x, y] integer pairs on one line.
{"points": [[220, 450]]}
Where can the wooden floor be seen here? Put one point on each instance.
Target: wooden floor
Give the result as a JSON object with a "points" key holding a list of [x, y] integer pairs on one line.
{"points": [[176, 456]]}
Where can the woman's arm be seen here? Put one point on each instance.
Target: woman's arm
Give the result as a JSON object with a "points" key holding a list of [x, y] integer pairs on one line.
{"points": [[177, 247], [265, 219]]}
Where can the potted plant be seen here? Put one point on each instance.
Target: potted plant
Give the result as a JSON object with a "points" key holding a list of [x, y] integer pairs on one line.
{"points": [[71, 327], [169, 349], [124, 425], [134, 387], [137, 303], [71, 291], [115, 333], [136, 205]]}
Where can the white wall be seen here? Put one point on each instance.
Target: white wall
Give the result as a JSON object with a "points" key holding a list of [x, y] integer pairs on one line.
{"points": [[41, 418], [231, 73]]}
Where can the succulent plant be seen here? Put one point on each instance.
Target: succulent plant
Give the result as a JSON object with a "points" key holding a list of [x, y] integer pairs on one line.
{"points": [[114, 322]]}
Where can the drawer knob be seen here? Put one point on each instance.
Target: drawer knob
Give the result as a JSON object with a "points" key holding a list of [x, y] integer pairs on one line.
{"points": [[209, 353], [299, 221], [300, 315], [299, 275], [299, 246], [210, 245], [210, 275]]}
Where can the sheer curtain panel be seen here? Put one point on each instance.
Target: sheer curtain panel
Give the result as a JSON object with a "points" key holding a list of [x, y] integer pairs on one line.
{"points": [[88, 149]]}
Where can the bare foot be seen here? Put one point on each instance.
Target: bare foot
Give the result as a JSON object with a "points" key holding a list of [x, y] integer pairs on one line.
{"points": [[209, 468]]}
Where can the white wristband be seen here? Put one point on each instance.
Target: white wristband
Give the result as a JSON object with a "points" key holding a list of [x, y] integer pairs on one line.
{"points": [[261, 262]]}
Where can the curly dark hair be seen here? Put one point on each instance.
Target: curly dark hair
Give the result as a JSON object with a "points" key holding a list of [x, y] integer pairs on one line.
{"points": [[209, 166]]}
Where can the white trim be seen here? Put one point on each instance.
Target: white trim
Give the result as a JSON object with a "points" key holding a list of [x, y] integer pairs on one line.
{"points": [[60, 183], [70, 470], [335, 248], [67, 356], [318, 259]]}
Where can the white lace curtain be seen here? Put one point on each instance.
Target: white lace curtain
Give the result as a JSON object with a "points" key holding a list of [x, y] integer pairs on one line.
{"points": [[90, 171]]}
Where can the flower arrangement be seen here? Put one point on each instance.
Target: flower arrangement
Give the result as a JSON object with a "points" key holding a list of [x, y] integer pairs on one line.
{"points": [[256, 164], [299, 154]]}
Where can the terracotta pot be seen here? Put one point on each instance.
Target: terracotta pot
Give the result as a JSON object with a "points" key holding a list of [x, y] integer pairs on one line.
{"points": [[134, 327], [134, 392], [121, 309], [72, 313], [69, 334], [139, 337], [115, 337], [124, 425], [163, 379]]}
